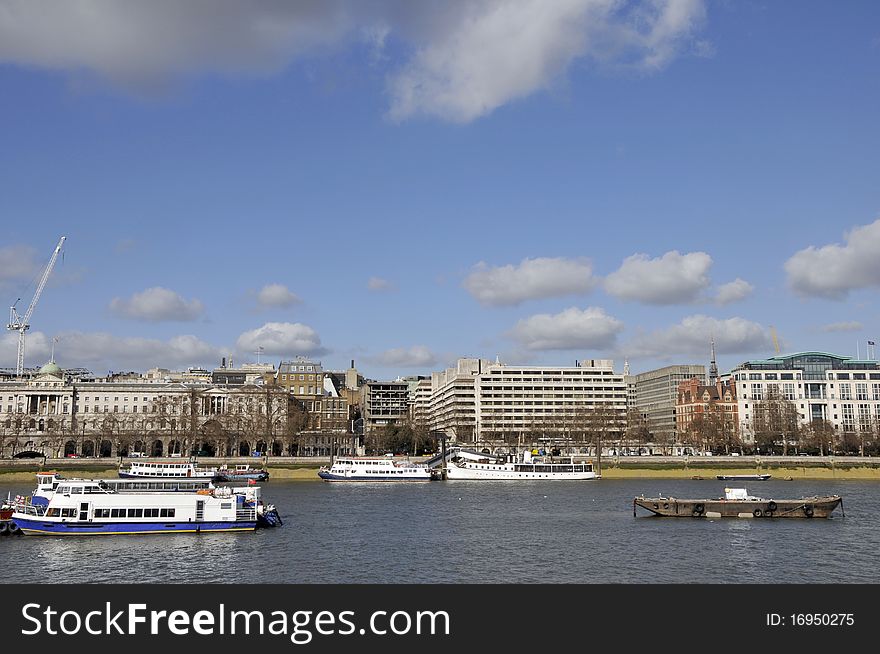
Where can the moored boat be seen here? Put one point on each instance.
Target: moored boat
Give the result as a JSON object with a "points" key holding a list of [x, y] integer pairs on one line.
{"points": [[241, 473], [743, 477], [92, 506], [737, 503], [365, 468], [166, 470], [470, 465]]}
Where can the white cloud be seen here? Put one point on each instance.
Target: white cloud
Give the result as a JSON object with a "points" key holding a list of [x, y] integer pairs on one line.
{"points": [[464, 59], [852, 326], [531, 279], [37, 349], [734, 291], [379, 284], [99, 351], [276, 295], [832, 271], [157, 304], [497, 51], [671, 279], [282, 339], [571, 329], [17, 263], [413, 357], [692, 336]]}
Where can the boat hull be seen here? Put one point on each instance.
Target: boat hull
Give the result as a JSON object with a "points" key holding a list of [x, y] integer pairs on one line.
{"points": [[807, 507], [37, 527], [329, 476]]}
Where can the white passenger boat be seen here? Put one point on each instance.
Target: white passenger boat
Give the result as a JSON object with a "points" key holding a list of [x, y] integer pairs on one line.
{"points": [[364, 468], [466, 464], [167, 470], [92, 506]]}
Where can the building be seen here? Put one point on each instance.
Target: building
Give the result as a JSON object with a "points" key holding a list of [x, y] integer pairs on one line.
{"points": [[495, 404], [838, 392], [707, 415], [385, 403], [653, 396], [56, 415]]}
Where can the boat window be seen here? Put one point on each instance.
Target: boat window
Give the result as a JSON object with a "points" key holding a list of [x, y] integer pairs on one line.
{"points": [[68, 513], [117, 513], [166, 513], [102, 513], [135, 513], [151, 513]]}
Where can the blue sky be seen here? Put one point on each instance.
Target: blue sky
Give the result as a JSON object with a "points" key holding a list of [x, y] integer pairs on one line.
{"points": [[407, 183]]}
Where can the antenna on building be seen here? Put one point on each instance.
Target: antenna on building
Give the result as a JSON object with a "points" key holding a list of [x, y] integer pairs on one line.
{"points": [[259, 352], [625, 367]]}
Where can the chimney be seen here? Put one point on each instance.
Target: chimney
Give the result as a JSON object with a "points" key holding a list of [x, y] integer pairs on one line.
{"points": [[352, 363], [223, 362]]}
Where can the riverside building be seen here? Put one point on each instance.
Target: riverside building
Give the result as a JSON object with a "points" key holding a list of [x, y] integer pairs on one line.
{"points": [[480, 402], [825, 388]]}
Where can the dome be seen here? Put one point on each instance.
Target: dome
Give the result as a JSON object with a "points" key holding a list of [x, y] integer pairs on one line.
{"points": [[51, 368]]}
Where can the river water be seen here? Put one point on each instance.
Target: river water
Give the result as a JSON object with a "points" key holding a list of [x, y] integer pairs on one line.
{"points": [[482, 532]]}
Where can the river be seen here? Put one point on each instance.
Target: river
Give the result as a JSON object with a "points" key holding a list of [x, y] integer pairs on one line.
{"points": [[482, 532]]}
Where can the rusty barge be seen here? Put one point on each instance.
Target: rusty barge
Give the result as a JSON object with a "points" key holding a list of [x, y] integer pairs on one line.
{"points": [[737, 503]]}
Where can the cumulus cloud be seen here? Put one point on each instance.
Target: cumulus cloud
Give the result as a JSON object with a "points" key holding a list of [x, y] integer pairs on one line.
{"points": [[417, 356], [572, 329], [379, 284], [276, 295], [738, 289], [282, 339], [36, 352], [692, 335], [498, 51], [99, 351], [459, 61], [852, 326], [531, 279], [671, 279], [18, 263], [157, 304], [832, 271]]}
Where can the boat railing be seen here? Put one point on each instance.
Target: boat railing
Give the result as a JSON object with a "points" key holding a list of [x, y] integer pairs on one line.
{"points": [[245, 515], [35, 510]]}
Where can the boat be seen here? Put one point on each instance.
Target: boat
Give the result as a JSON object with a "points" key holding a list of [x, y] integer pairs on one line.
{"points": [[471, 465], [241, 473], [365, 468], [167, 469], [737, 503], [743, 477], [94, 506]]}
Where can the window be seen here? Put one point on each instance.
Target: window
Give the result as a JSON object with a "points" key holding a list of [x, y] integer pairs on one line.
{"points": [[135, 513], [757, 392], [102, 513], [117, 513], [861, 391], [846, 391], [151, 513], [166, 513]]}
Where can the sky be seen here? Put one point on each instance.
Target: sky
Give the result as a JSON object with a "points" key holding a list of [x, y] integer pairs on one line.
{"points": [[403, 184]]}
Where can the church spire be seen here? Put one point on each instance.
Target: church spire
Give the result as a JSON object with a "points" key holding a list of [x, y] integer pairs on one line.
{"points": [[713, 367]]}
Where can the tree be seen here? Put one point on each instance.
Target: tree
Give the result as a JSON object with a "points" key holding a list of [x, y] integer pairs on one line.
{"points": [[775, 418], [598, 424]]}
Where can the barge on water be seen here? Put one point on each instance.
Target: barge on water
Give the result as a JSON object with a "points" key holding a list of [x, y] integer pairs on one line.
{"points": [[737, 503]]}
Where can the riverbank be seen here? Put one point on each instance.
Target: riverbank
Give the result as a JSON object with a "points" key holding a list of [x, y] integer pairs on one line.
{"points": [[306, 469]]}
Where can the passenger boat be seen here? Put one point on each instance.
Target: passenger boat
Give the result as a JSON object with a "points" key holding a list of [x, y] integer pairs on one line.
{"points": [[737, 503], [467, 464], [743, 477], [364, 468], [241, 473], [94, 506], [167, 469]]}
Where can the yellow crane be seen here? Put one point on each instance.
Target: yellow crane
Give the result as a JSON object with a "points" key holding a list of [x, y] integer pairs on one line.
{"points": [[775, 339]]}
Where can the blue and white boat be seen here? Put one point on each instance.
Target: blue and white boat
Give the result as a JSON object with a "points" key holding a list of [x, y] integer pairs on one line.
{"points": [[364, 468], [92, 506]]}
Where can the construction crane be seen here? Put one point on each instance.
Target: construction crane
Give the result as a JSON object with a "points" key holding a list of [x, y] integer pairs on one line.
{"points": [[22, 323], [775, 339]]}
